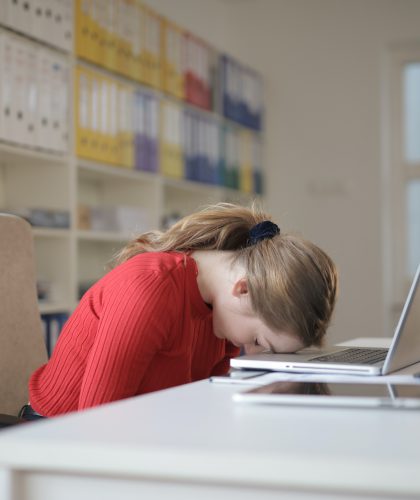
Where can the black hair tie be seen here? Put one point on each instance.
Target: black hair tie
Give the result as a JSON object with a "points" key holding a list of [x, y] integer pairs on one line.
{"points": [[262, 231]]}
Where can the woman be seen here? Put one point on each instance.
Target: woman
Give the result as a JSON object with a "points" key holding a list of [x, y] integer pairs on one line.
{"points": [[179, 304]]}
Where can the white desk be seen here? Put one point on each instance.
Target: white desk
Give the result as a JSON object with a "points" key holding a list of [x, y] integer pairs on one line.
{"points": [[193, 442]]}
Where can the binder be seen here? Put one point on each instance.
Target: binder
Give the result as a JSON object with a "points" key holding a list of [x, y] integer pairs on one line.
{"points": [[31, 90], [140, 139], [172, 164], [203, 165], [123, 37], [245, 167], [40, 25], [60, 76], [111, 34], [19, 100], [6, 86], [136, 39], [113, 121], [172, 67], [104, 136], [44, 99], [152, 132], [101, 24], [257, 165], [189, 133], [66, 34], [96, 31], [125, 126], [83, 23], [82, 111], [221, 168], [214, 152], [95, 116], [231, 158], [152, 47], [60, 31]]}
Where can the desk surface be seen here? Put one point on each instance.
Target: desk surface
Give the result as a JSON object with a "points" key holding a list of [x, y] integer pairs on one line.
{"points": [[196, 433]]}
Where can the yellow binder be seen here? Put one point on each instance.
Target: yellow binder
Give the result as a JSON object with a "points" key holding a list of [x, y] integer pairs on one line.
{"points": [[171, 150], [83, 28], [82, 106], [152, 47], [246, 160], [172, 66]]}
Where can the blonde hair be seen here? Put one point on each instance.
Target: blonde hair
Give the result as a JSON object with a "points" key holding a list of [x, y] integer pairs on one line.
{"points": [[292, 282]]}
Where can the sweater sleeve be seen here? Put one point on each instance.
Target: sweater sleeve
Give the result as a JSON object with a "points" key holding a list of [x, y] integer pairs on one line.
{"points": [[222, 367], [133, 325]]}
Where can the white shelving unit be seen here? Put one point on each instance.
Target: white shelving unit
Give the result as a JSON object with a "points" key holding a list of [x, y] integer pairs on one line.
{"points": [[70, 257]]}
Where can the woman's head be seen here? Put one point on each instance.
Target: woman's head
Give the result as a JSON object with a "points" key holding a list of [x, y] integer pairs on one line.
{"points": [[292, 283]]}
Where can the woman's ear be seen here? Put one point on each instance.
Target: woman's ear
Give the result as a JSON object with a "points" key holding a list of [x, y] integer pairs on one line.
{"points": [[240, 288]]}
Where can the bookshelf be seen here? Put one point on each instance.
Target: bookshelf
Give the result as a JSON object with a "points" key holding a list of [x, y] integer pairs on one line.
{"points": [[84, 208]]}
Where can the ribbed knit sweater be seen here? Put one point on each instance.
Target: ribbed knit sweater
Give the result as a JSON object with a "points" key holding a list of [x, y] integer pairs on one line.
{"points": [[143, 327]]}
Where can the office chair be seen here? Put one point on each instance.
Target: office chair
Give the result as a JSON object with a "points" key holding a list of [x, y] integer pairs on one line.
{"points": [[22, 344]]}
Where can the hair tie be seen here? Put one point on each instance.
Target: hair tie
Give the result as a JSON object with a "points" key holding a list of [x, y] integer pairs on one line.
{"points": [[262, 231]]}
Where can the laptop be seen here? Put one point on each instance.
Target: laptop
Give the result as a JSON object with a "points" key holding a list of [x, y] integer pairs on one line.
{"points": [[404, 350]]}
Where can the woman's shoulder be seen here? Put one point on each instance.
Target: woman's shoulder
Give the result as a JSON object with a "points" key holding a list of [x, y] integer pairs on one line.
{"points": [[155, 262]]}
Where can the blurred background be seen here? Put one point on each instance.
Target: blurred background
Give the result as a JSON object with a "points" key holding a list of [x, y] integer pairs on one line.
{"points": [[144, 111], [341, 133]]}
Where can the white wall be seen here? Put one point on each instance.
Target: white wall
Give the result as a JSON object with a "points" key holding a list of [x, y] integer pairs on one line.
{"points": [[322, 61]]}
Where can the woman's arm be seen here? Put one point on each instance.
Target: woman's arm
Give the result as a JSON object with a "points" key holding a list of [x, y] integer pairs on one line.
{"points": [[133, 326]]}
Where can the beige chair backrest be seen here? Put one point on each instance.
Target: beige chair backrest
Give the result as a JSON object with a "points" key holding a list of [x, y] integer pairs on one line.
{"points": [[22, 344]]}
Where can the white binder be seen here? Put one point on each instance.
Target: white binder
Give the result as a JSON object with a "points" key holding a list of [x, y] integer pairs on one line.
{"points": [[19, 92], [31, 95], [7, 86], [62, 32], [59, 82], [44, 112]]}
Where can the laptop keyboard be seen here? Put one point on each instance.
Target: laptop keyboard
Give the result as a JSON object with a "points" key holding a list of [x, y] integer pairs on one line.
{"points": [[354, 355]]}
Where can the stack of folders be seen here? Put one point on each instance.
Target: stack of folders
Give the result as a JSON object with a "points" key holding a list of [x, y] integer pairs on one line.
{"points": [[200, 66], [241, 91], [34, 94], [202, 148], [146, 131], [104, 118], [122, 36], [172, 59], [241, 153], [50, 21]]}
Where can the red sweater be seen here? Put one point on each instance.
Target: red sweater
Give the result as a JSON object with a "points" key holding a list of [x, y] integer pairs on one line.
{"points": [[143, 327]]}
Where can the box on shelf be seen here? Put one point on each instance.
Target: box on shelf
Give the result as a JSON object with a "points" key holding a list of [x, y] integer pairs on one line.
{"points": [[42, 217], [113, 218]]}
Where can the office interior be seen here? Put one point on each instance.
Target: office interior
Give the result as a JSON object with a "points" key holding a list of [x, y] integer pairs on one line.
{"points": [[330, 134], [330, 139]]}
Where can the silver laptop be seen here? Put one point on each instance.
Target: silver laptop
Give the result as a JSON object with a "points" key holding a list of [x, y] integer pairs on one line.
{"points": [[404, 350]]}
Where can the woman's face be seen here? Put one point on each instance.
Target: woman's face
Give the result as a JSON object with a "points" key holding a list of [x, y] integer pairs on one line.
{"points": [[234, 320]]}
